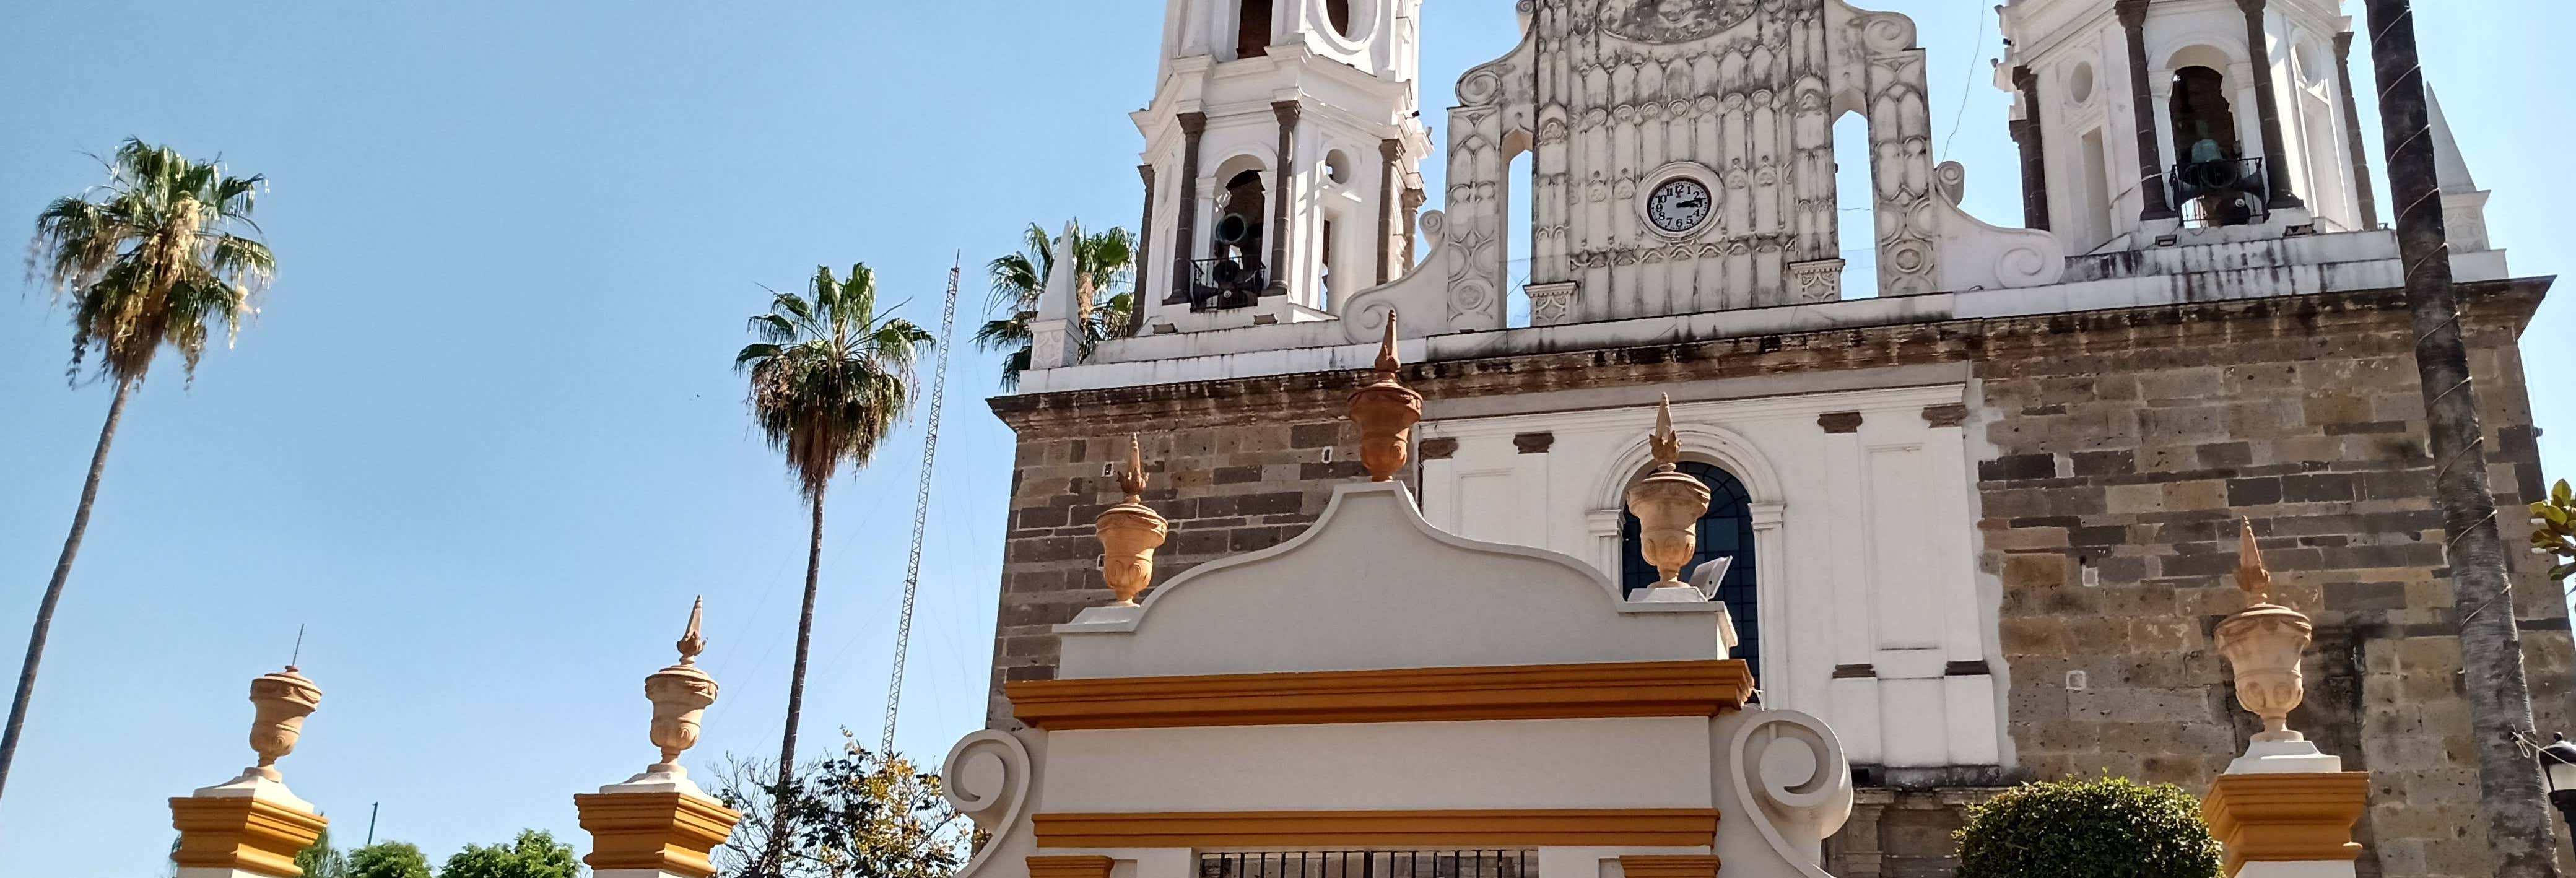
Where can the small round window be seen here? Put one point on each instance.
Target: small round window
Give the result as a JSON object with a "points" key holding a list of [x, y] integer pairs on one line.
{"points": [[1339, 13], [2079, 84], [1337, 166]]}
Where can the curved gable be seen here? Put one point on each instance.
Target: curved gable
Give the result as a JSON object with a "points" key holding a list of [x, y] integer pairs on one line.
{"points": [[1372, 586]]}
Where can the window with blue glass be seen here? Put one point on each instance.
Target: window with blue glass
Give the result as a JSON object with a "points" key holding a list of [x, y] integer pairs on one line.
{"points": [[1727, 530]]}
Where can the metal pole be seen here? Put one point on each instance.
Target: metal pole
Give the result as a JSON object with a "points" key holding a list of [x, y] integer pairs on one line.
{"points": [[372, 808]]}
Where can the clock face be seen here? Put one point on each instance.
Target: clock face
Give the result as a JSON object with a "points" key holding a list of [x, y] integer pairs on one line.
{"points": [[1679, 205]]}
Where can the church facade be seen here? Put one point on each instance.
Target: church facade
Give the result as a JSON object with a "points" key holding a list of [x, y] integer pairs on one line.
{"points": [[1978, 523]]}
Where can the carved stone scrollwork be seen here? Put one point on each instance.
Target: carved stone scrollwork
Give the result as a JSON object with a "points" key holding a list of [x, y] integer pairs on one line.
{"points": [[1790, 769], [987, 777]]}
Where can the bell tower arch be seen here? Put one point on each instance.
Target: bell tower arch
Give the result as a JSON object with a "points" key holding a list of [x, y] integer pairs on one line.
{"points": [[1282, 161]]}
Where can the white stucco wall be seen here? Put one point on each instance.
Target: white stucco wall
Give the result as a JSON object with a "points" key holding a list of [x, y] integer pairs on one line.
{"points": [[1576, 763], [1865, 544]]}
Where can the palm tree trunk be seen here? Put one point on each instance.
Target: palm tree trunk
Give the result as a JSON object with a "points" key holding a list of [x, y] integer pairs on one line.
{"points": [[771, 857], [2518, 829], [62, 573]]}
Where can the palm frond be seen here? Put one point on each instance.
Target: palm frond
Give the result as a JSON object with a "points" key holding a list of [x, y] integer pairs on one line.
{"points": [[828, 380], [152, 258]]}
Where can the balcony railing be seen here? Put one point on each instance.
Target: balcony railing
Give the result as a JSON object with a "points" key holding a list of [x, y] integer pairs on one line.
{"points": [[1220, 284], [2223, 192], [1505, 863]]}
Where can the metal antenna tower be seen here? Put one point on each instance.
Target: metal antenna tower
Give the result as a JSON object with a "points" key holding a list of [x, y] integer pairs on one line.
{"points": [[921, 505]]}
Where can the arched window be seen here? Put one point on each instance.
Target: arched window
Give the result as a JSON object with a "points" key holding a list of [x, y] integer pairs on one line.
{"points": [[2212, 180], [1727, 530], [1252, 29], [1339, 12]]}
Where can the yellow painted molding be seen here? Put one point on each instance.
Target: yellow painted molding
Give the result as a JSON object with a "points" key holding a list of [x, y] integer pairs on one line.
{"points": [[1607, 827], [671, 832], [2286, 818], [1565, 691], [243, 834], [1080, 866], [1669, 866]]}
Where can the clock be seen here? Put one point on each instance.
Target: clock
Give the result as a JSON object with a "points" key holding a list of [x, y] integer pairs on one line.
{"points": [[1679, 205]]}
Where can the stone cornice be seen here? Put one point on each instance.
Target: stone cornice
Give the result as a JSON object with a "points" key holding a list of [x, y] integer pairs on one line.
{"points": [[1269, 398]]}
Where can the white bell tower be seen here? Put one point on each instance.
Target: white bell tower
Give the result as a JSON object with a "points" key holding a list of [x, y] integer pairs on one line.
{"points": [[2138, 118], [1282, 160]]}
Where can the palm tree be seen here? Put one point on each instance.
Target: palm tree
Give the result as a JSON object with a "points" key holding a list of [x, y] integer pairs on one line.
{"points": [[1103, 263], [2519, 834], [148, 260], [829, 380]]}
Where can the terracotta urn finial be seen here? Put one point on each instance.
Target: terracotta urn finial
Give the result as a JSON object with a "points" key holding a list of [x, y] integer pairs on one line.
{"points": [[1130, 532], [281, 700], [680, 694], [1385, 411], [1668, 505], [2263, 646]]}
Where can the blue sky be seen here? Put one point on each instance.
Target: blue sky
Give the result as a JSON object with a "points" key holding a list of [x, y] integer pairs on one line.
{"points": [[485, 440]]}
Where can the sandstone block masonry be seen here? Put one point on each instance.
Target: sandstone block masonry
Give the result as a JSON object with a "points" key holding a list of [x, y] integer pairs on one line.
{"points": [[2118, 449]]}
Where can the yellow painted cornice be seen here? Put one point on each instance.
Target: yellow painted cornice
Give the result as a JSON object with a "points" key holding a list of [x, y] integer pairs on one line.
{"points": [[1669, 866], [243, 834], [1564, 691], [671, 832], [1604, 827], [1079, 866], [2286, 818]]}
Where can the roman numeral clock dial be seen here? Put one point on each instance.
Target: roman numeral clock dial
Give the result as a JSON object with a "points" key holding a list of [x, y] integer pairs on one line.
{"points": [[1679, 205]]}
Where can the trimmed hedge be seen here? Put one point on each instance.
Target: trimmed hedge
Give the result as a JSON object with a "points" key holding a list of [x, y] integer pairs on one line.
{"points": [[2104, 828]]}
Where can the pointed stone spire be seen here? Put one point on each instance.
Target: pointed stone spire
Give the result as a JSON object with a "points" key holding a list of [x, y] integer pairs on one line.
{"points": [[1059, 299], [1385, 411], [2450, 168], [1668, 506], [2252, 576], [692, 644], [1054, 328], [1130, 532]]}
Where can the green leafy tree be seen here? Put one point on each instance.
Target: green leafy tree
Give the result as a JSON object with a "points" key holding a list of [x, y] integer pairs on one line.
{"points": [[319, 860], [2553, 523], [151, 259], [855, 815], [1103, 284], [534, 854], [2102, 828], [388, 859], [829, 380]]}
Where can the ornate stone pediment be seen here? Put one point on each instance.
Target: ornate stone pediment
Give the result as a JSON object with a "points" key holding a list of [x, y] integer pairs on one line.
{"points": [[1673, 21]]}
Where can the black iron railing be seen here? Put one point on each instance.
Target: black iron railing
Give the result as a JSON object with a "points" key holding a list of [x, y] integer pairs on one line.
{"points": [[1505, 863], [2222, 192], [1219, 284]]}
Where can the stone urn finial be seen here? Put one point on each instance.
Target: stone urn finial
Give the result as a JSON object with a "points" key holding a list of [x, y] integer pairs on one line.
{"points": [[1668, 505], [1130, 532], [681, 693], [1386, 411], [2263, 646], [282, 701]]}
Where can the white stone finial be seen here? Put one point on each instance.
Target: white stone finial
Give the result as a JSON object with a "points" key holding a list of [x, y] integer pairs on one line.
{"points": [[680, 695]]}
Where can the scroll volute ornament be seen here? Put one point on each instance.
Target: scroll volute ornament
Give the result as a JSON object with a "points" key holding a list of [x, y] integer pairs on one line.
{"points": [[1668, 505], [2263, 645], [1130, 532], [281, 700], [681, 693], [1385, 411]]}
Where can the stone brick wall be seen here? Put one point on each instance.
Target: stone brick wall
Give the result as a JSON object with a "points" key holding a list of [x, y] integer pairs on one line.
{"points": [[2122, 456], [1231, 479], [2121, 443]]}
